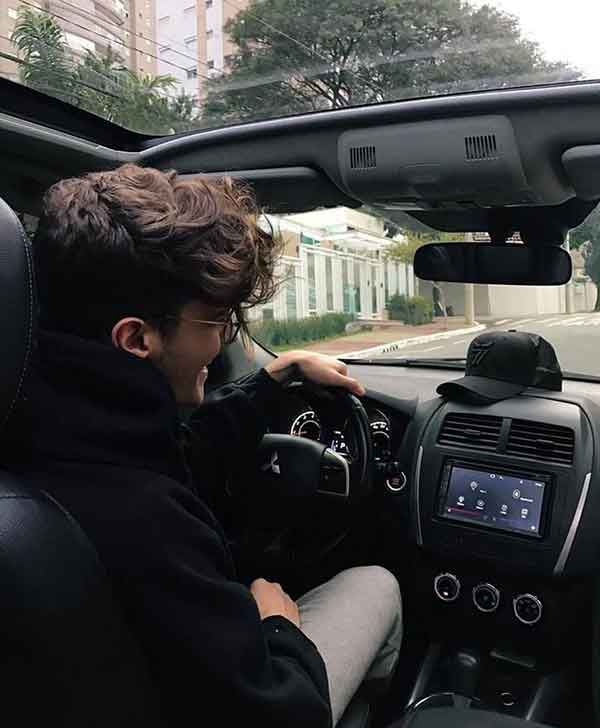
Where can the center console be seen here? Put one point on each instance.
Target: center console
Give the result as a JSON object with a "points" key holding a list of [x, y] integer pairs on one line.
{"points": [[509, 484], [503, 507]]}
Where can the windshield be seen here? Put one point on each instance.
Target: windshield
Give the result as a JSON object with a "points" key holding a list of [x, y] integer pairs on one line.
{"points": [[348, 289], [166, 66]]}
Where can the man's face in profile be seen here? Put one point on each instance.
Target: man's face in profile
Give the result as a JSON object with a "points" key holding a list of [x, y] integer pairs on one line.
{"points": [[185, 353]]}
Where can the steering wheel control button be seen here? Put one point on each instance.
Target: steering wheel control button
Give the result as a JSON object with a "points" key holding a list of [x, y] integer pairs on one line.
{"points": [[335, 474], [395, 477], [486, 598], [528, 609], [507, 699], [446, 587]]}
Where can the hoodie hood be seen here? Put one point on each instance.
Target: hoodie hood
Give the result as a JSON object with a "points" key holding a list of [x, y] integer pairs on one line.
{"points": [[91, 402]]}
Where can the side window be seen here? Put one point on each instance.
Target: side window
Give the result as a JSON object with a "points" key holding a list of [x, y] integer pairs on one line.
{"points": [[29, 222]]}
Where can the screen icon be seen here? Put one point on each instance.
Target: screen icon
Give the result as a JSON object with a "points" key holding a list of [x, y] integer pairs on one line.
{"points": [[480, 505], [474, 485], [504, 509], [516, 494], [524, 512], [461, 500]]}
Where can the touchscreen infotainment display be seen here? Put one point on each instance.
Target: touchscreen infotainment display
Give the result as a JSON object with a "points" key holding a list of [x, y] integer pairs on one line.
{"points": [[501, 500]]}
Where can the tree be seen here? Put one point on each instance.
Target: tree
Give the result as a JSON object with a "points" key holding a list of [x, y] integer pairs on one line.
{"points": [[305, 55], [403, 250], [45, 64], [101, 84], [586, 237]]}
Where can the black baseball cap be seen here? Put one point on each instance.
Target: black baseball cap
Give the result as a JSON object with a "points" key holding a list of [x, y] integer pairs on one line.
{"points": [[502, 364]]}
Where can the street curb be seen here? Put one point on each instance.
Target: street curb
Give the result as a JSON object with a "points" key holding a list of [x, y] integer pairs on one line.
{"points": [[414, 341]]}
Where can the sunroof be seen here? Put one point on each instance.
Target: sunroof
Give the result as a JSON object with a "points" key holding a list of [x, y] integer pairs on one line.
{"points": [[167, 66]]}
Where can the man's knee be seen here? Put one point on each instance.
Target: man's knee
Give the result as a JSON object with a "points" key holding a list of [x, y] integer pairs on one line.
{"points": [[386, 582], [377, 580]]}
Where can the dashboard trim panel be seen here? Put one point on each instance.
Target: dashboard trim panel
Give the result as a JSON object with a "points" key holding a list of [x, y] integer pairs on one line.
{"points": [[418, 494], [566, 549]]}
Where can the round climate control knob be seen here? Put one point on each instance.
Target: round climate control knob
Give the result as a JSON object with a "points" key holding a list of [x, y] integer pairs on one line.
{"points": [[486, 598], [527, 609], [446, 587]]}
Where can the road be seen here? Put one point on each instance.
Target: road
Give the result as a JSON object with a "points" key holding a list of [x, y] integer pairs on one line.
{"points": [[576, 339]]}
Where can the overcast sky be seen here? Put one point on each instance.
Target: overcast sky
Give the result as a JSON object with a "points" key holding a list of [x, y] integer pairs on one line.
{"points": [[567, 30]]}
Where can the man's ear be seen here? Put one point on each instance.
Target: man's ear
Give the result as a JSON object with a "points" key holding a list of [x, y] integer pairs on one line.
{"points": [[136, 337]]}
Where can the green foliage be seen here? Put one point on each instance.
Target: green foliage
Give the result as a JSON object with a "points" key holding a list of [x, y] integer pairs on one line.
{"points": [[586, 237], [349, 52], [414, 310], [46, 66], [291, 332], [102, 85], [404, 250]]}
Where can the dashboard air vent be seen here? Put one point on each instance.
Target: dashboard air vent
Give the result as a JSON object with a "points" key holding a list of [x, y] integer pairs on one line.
{"points": [[481, 147], [470, 431], [363, 157], [541, 441]]}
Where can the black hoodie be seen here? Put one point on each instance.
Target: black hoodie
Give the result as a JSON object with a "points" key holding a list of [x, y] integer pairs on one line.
{"points": [[106, 446]]}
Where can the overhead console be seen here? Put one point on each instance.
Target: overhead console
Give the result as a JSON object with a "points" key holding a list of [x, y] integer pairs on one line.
{"points": [[508, 484], [456, 163]]}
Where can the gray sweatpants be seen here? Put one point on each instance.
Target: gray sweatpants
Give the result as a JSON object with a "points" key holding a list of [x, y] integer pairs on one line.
{"points": [[355, 620]]}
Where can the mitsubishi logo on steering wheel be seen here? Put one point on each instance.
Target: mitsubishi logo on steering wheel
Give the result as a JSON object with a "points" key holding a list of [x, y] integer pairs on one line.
{"points": [[272, 465]]}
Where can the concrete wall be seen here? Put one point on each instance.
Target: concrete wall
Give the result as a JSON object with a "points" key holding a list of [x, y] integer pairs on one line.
{"points": [[584, 296], [515, 301]]}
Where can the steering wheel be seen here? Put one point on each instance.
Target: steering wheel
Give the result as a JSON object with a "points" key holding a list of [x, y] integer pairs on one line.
{"points": [[292, 467]]}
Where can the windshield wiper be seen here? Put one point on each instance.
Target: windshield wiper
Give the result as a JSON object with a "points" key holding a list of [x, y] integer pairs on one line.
{"points": [[447, 362]]}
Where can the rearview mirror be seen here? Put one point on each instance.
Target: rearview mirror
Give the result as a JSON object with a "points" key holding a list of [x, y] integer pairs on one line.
{"points": [[525, 265]]}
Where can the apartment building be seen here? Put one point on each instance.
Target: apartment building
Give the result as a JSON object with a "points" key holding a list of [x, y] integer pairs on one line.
{"points": [[193, 45], [127, 26], [177, 36]]}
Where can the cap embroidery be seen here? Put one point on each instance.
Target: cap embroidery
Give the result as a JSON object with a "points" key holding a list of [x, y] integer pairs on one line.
{"points": [[479, 350]]}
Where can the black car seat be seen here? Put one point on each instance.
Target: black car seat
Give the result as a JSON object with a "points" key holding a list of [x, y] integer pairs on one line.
{"points": [[66, 656]]}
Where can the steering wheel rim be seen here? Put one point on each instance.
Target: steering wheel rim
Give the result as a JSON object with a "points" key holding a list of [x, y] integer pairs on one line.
{"points": [[360, 464]]}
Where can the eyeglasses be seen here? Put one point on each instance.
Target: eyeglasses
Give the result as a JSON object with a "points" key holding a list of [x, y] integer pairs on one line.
{"points": [[231, 326]]}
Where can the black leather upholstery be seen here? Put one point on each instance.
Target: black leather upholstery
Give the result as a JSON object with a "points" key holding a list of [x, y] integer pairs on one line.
{"points": [[462, 718], [17, 303], [66, 658], [358, 714]]}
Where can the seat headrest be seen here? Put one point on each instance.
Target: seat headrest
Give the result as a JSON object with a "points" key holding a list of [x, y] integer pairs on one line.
{"points": [[17, 310]]}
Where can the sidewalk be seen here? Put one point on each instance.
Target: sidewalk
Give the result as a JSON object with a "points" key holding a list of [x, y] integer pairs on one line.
{"points": [[389, 332]]}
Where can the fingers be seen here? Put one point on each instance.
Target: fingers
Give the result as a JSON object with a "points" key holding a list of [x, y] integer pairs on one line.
{"points": [[328, 370], [352, 385], [341, 367]]}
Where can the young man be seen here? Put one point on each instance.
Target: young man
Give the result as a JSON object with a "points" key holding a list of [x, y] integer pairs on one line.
{"points": [[142, 277]]}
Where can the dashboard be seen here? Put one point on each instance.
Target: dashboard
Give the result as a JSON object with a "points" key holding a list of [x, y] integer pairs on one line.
{"points": [[492, 512], [501, 508], [308, 424], [511, 484]]}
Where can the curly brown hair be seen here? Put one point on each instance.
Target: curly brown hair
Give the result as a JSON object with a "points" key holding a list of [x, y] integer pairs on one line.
{"points": [[137, 241]]}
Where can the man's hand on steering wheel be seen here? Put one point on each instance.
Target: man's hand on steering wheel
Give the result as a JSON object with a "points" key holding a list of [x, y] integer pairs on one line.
{"points": [[317, 368]]}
